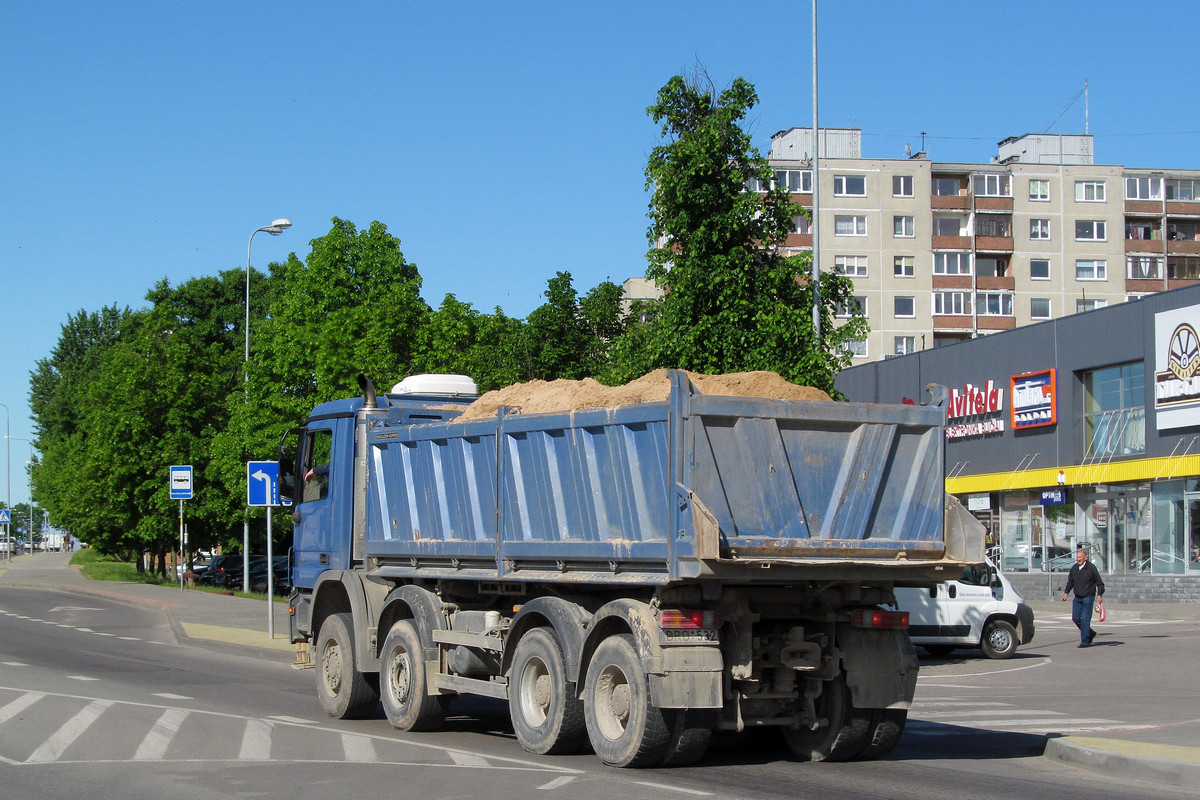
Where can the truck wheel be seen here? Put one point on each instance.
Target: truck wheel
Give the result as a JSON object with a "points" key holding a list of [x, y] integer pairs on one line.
{"points": [[547, 714], [625, 729], [402, 685], [888, 725], [344, 692], [999, 639], [691, 733], [847, 733]]}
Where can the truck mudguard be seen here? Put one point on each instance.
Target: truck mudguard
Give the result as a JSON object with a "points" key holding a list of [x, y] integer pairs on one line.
{"points": [[345, 590]]}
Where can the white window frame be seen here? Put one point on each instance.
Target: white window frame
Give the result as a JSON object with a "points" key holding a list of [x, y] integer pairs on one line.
{"points": [[1183, 189], [1143, 188], [842, 189], [857, 221], [1039, 229], [1091, 269], [1143, 267], [983, 301], [1095, 230], [1090, 192], [1039, 190], [844, 312], [850, 266], [796, 181], [903, 226], [903, 345], [1082, 305], [902, 186], [1033, 309], [994, 184], [1034, 277], [910, 301], [903, 267], [963, 265], [801, 224], [959, 303], [855, 347]]}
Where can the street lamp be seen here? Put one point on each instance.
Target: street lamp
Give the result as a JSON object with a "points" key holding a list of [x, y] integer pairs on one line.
{"points": [[275, 228], [30, 443]]}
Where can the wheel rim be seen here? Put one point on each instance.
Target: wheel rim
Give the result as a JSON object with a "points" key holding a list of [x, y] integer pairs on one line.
{"points": [[1000, 640], [613, 702], [535, 686], [331, 667], [399, 677]]}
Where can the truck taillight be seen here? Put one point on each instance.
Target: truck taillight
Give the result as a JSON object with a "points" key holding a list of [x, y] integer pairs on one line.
{"points": [[879, 619], [675, 618]]}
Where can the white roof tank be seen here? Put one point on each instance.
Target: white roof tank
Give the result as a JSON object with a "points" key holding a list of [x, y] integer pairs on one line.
{"points": [[447, 385]]}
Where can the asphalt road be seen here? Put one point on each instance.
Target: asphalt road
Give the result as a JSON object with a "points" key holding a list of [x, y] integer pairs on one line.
{"points": [[97, 700]]}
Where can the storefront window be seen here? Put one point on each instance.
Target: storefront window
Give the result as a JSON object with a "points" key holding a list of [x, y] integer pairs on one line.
{"points": [[1114, 413]]}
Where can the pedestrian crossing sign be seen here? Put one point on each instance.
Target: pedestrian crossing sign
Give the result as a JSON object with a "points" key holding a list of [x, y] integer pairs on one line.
{"points": [[5, 517]]}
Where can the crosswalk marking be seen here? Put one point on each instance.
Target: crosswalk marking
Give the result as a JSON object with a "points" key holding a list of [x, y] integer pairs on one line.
{"points": [[360, 749], [17, 706], [465, 759], [53, 748], [158, 739], [256, 741]]}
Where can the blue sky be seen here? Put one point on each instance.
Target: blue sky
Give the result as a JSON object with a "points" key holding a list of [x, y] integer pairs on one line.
{"points": [[501, 142]]}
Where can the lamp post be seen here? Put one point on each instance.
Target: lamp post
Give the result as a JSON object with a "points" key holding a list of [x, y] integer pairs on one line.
{"points": [[30, 443], [8, 478], [275, 228]]}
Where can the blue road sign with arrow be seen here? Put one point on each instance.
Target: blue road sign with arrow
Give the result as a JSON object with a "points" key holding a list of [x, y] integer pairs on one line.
{"points": [[262, 483]]}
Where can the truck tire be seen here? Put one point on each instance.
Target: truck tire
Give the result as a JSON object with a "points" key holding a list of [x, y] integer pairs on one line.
{"points": [[691, 734], [344, 692], [547, 714], [999, 639], [846, 735], [625, 728], [886, 729], [402, 682]]}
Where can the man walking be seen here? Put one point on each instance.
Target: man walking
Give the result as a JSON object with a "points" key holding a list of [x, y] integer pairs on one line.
{"points": [[1084, 579]]}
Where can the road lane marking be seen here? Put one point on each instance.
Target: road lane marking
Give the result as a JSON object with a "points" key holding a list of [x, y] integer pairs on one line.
{"points": [[670, 788], [158, 738], [81, 678], [169, 696], [53, 748], [465, 759]]}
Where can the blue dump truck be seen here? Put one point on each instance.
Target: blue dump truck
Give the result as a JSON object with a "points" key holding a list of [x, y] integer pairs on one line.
{"points": [[635, 578]]}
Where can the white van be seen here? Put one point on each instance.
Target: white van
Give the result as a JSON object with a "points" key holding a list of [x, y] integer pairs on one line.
{"points": [[981, 610]]}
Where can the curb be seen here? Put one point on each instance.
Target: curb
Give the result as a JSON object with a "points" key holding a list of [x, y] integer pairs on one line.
{"points": [[1161, 763]]}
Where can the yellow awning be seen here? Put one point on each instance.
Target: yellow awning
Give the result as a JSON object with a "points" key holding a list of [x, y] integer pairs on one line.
{"points": [[1141, 469]]}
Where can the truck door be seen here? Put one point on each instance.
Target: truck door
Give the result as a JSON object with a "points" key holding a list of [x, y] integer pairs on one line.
{"points": [[318, 544]]}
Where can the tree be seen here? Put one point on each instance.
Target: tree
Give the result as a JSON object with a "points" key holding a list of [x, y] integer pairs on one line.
{"points": [[732, 300]]}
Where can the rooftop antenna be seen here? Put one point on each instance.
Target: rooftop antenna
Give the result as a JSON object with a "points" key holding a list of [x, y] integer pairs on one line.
{"points": [[1070, 103]]}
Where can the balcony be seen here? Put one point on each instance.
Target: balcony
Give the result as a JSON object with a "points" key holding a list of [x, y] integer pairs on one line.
{"points": [[955, 323], [799, 240], [950, 202], [1143, 207], [997, 323], [950, 242], [993, 203], [953, 282], [996, 282], [994, 244]]}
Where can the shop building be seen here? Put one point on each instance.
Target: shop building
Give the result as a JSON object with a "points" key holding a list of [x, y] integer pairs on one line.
{"points": [[1078, 430]]}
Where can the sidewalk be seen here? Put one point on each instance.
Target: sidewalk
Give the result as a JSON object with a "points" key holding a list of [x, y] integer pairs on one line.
{"points": [[239, 625], [222, 622]]}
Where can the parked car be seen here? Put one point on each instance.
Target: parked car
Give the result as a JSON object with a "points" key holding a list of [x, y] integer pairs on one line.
{"points": [[222, 571], [258, 576]]}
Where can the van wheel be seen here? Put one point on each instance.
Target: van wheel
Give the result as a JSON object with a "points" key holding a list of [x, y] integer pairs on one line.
{"points": [[846, 733], [999, 639], [546, 712], [344, 692], [402, 683]]}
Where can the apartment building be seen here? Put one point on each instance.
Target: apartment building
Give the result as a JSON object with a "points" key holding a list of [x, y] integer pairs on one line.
{"points": [[945, 252]]}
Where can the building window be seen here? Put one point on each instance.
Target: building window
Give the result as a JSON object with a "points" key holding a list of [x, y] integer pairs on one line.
{"points": [[849, 186], [1091, 270], [1039, 190], [951, 303], [1143, 188], [994, 304], [902, 227], [1039, 308], [1140, 230], [1089, 191], [1181, 231], [903, 345], [947, 226], [1039, 269], [1089, 305], [902, 266], [1183, 189], [1039, 229], [1091, 230], [847, 225], [993, 226], [855, 347], [946, 187], [855, 306], [993, 185], [1183, 268], [989, 267], [904, 307], [854, 266], [1114, 413], [1143, 268], [951, 263], [794, 180], [801, 224], [902, 186]]}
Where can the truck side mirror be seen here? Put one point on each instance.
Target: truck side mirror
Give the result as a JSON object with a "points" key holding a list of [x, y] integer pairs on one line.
{"points": [[289, 458]]}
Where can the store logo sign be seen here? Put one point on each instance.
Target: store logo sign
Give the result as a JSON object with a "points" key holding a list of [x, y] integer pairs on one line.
{"points": [[1179, 383], [974, 401], [1034, 400]]}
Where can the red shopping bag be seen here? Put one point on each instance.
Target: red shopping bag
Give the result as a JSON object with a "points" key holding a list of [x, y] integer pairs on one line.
{"points": [[1100, 609]]}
